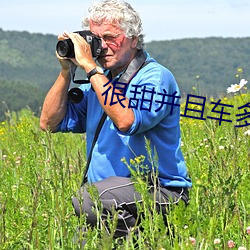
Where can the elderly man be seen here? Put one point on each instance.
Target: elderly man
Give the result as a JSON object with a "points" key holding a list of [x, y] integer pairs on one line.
{"points": [[140, 98]]}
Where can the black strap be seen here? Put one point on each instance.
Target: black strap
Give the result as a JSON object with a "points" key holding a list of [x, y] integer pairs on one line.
{"points": [[136, 64], [97, 132]]}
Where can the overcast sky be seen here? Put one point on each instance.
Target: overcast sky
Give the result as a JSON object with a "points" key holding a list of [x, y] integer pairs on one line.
{"points": [[162, 19]]}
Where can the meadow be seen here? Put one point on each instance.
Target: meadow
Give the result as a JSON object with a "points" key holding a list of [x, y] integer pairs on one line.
{"points": [[40, 172]]}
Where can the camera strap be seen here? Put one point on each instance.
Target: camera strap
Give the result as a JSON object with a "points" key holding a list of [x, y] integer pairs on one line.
{"points": [[136, 64]]}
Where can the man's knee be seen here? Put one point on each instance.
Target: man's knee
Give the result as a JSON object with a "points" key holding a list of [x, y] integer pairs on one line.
{"points": [[77, 206], [84, 205]]}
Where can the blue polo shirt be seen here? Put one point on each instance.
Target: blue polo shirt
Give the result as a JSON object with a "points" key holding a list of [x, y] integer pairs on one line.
{"points": [[154, 98]]}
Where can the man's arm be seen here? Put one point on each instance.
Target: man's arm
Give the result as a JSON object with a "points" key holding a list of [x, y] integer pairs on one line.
{"points": [[123, 117], [55, 103]]}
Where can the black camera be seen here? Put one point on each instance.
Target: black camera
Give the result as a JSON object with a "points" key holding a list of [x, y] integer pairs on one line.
{"points": [[65, 48]]}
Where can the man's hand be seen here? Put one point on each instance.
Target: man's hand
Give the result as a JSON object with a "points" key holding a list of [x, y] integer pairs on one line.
{"points": [[83, 54], [66, 63]]}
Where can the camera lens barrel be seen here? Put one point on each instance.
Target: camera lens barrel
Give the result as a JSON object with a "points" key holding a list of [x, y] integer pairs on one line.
{"points": [[65, 48]]}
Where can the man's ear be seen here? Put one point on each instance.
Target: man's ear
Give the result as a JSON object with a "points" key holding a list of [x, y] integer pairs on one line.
{"points": [[134, 42]]}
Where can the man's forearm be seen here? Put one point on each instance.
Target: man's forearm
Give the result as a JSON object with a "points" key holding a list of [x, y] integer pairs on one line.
{"points": [[123, 117], [55, 103]]}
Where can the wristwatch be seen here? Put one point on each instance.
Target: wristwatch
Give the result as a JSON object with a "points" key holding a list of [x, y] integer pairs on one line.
{"points": [[96, 70]]}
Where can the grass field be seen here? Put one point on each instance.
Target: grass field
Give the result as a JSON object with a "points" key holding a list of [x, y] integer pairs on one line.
{"points": [[40, 172]]}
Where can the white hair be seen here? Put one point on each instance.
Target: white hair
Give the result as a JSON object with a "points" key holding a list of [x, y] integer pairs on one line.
{"points": [[120, 13]]}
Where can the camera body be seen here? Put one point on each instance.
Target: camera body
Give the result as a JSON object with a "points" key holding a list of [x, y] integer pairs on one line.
{"points": [[65, 48]]}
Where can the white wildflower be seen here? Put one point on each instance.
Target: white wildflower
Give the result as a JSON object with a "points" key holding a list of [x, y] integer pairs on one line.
{"points": [[237, 87], [247, 133], [242, 248], [217, 241]]}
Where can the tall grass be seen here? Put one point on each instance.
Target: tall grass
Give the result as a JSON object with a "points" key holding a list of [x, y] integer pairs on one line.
{"points": [[40, 172]]}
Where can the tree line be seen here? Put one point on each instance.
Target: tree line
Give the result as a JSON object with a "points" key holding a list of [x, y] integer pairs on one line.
{"points": [[206, 67]]}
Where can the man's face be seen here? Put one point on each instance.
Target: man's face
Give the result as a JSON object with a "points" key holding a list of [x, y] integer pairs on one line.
{"points": [[118, 50]]}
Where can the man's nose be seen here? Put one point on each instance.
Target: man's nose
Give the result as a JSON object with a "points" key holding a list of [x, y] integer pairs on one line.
{"points": [[104, 44]]}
